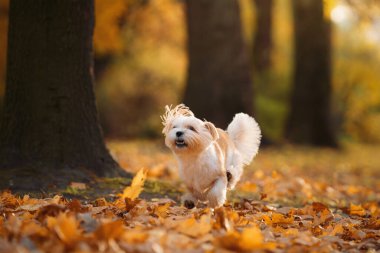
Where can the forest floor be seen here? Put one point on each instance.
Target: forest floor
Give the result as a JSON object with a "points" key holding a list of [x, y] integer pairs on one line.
{"points": [[291, 199]]}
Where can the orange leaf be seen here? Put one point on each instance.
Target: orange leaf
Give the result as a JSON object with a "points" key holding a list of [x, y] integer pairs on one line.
{"points": [[278, 218], [110, 230], [193, 228], [162, 210], [357, 210], [251, 238], [134, 190], [66, 227]]}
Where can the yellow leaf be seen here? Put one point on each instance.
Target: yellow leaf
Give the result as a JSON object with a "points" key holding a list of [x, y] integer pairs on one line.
{"points": [[251, 238], [193, 228], [66, 227], [162, 210], [134, 190]]}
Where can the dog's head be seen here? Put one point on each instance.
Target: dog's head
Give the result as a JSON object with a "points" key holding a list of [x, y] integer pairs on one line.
{"points": [[185, 133]]}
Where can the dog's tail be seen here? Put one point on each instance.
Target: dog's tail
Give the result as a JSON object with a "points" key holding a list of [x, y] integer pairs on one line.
{"points": [[246, 135]]}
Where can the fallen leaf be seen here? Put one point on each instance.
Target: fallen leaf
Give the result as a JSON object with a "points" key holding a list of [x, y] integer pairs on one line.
{"points": [[194, 228], [66, 227], [357, 210], [78, 185], [109, 230], [136, 187], [162, 210], [251, 238]]}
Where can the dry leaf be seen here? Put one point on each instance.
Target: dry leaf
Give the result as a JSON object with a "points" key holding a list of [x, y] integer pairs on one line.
{"points": [[66, 227], [109, 230], [136, 187], [78, 185], [194, 228], [357, 210]]}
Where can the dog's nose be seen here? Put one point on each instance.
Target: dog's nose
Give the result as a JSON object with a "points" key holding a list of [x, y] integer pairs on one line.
{"points": [[179, 133]]}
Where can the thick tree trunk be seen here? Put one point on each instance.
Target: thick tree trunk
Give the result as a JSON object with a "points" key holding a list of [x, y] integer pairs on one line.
{"points": [[219, 82], [50, 132], [262, 47], [309, 121]]}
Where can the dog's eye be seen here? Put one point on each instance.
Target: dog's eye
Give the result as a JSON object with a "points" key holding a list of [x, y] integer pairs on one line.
{"points": [[174, 127], [192, 128]]}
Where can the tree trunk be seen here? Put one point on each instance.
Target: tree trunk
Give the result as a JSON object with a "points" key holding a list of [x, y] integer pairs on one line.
{"points": [[310, 121], [50, 133], [262, 47], [219, 82]]}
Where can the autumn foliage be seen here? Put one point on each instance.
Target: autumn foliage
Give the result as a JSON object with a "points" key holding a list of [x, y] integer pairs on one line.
{"points": [[274, 210]]}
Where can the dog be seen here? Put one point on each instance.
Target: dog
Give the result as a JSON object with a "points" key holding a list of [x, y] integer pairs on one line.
{"points": [[210, 159]]}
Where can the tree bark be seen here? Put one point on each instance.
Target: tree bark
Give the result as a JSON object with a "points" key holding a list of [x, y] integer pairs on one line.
{"points": [[50, 133], [219, 82], [262, 47], [309, 121]]}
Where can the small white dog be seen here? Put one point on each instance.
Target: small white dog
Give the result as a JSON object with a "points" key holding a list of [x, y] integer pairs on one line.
{"points": [[210, 160]]}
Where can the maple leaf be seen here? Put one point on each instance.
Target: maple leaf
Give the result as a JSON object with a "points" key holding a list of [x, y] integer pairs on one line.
{"points": [[136, 187], [66, 227]]}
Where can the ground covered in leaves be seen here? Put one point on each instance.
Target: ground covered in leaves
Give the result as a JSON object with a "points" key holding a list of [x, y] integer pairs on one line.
{"points": [[290, 200]]}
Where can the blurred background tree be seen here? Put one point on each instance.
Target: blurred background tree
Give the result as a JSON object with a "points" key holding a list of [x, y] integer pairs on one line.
{"points": [[263, 42], [310, 119], [141, 63], [219, 80]]}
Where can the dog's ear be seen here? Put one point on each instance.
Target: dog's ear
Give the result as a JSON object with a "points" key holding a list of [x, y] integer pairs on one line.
{"points": [[212, 129]]}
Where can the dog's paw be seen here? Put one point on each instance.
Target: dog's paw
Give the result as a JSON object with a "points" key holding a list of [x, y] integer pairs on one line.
{"points": [[189, 204]]}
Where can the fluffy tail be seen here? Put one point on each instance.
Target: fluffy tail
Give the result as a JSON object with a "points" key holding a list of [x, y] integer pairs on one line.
{"points": [[246, 135]]}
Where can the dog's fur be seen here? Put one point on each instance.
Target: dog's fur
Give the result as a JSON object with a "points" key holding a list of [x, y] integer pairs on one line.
{"points": [[210, 159]]}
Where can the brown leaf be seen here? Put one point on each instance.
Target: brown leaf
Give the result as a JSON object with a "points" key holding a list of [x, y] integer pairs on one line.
{"points": [[76, 206], [49, 210], [130, 203]]}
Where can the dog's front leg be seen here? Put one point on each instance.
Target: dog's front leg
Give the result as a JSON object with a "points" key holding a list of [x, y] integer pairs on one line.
{"points": [[188, 200], [217, 194]]}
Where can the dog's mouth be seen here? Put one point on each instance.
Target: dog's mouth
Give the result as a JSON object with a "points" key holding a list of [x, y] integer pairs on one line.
{"points": [[180, 143]]}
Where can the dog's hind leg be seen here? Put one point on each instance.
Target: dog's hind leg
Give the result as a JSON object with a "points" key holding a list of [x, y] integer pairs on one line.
{"points": [[217, 193]]}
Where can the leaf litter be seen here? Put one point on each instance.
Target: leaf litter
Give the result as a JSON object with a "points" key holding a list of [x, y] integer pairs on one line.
{"points": [[284, 213]]}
